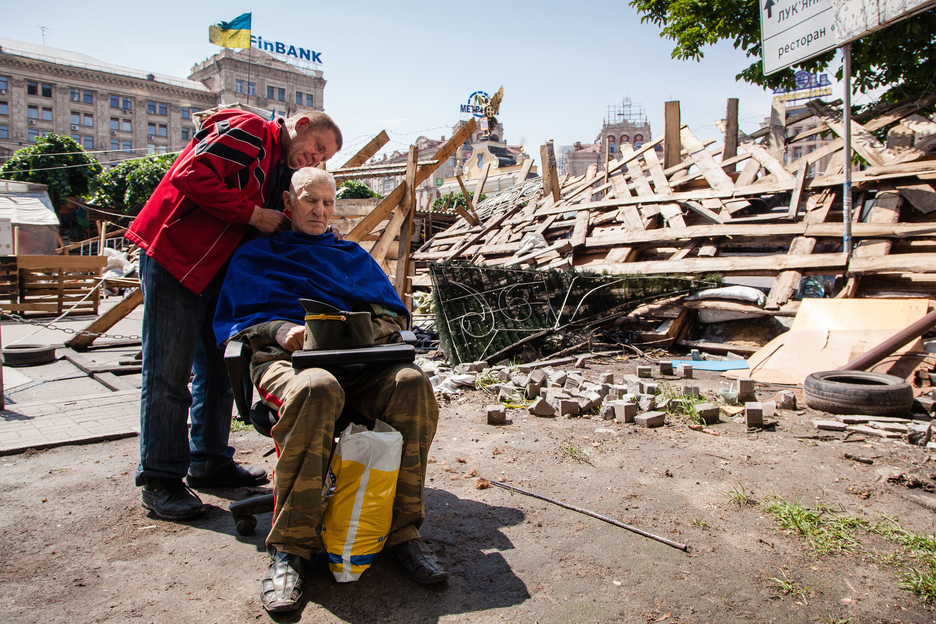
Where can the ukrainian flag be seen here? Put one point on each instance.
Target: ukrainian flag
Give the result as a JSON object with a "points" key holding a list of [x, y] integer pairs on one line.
{"points": [[233, 34]]}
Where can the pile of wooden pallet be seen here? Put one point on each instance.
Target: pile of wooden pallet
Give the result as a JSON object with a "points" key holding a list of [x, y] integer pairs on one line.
{"points": [[754, 211]]}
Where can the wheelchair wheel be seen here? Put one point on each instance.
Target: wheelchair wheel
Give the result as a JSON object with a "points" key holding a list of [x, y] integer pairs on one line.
{"points": [[245, 526]]}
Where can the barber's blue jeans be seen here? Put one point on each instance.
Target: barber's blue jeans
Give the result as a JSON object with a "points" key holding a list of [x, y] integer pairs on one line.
{"points": [[177, 339]]}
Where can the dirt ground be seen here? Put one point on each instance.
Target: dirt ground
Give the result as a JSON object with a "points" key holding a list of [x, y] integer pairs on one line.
{"points": [[78, 547]]}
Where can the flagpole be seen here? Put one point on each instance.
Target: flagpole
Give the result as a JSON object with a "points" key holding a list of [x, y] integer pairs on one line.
{"points": [[248, 75]]}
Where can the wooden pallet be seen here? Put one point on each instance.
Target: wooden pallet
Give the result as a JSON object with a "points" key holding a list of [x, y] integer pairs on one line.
{"points": [[50, 285]]}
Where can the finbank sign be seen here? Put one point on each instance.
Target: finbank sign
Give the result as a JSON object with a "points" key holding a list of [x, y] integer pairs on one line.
{"points": [[285, 49]]}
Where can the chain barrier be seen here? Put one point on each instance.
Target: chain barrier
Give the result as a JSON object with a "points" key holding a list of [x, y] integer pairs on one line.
{"points": [[68, 330]]}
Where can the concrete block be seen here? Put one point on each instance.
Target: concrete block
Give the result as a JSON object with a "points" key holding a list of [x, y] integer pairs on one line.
{"points": [[538, 376], [829, 425], [707, 412], [496, 415], [464, 367], [606, 412], [745, 385], [686, 371], [543, 391], [650, 419], [646, 402], [923, 405], [582, 361], [604, 390], [624, 412], [615, 393], [785, 400], [691, 391], [696, 355], [666, 368], [662, 404], [503, 374], [541, 407], [606, 378], [533, 390], [519, 379], [557, 379], [478, 366], [770, 408], [555, 394], [644, 372], [753, 414], [651, 388], [569, 407], [593, 400], [573, 382], [633, 383]]}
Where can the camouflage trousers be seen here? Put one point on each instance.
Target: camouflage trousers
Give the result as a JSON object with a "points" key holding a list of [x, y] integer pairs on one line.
{"points": [[309, 402]]}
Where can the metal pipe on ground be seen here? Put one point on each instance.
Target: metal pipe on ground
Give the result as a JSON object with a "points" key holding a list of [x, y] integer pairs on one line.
{"points": [[893, 343]]}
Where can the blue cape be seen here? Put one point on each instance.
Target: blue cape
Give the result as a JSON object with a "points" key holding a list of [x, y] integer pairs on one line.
{"points": [[268, 276]]}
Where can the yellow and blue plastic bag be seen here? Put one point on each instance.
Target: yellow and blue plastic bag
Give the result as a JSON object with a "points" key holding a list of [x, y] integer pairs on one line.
{"points": [[358, 498]]}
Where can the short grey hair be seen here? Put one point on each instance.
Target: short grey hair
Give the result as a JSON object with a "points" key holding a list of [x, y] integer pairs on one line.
{"points": [[309, 175]]}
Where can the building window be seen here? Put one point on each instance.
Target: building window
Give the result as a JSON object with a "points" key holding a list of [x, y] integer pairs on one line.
{"points": [[163, 130], [185, 134], [4, 108], [75, 118], [115, 101], [127, 146], [310, 100], [185, 112], [271, 92], [150, 149], [126, 125], [46, 90], [193, 111], [251, 88], [32, 88], [89, 120], [32, 112], [75, 95], [33, 134], [89, 143], [151, 129], [281, 95], [46, 114], [238, 86], [624, 139], [115, 123], [3, 83], [151, 107], [76, 138], [299, 98], [4, 132], [115, 145], [89, 97], [126, 104], [161, 149]]}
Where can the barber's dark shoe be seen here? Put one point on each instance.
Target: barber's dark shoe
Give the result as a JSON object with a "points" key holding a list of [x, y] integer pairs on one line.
{"points": [[281, 588], [170, 499], [234, 475], [417, 562]]}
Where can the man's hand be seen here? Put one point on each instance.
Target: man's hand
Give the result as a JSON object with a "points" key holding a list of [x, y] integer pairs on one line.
{"points": [[269, 221], [339, 235], [290, 336]]}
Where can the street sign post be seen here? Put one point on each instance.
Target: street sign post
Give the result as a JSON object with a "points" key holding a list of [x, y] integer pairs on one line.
{"points": [[795, 30]]}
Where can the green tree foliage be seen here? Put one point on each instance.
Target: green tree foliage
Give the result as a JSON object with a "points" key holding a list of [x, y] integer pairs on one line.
{"points": [[457, 200], [352, 189], [900, 58], [127, 186], [56, 161]]}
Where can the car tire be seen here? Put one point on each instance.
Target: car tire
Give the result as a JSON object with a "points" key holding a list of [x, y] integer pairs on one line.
{"points": [[28, 354], [858, 392]]}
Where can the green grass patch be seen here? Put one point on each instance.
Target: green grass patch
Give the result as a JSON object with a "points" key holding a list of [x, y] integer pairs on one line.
{"points": [[741, 496]]}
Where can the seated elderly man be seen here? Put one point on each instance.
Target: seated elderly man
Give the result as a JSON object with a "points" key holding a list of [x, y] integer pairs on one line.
{"points": [[259, 302]]}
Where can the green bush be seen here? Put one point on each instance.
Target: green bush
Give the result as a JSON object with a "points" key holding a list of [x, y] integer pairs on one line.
{"points": [[127, 186], [353, 189], [56, 161]]}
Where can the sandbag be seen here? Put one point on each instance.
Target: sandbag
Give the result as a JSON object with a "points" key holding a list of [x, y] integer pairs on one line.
{"points": [[357, 497]]}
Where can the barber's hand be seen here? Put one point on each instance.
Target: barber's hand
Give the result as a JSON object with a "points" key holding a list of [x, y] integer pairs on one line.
{"points": [[339, 235], [290, 336], [269, 221]]}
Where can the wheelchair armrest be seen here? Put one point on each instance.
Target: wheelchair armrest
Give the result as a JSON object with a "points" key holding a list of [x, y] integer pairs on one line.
{"points": [[381, 354], [237, 359], [408, 337]]}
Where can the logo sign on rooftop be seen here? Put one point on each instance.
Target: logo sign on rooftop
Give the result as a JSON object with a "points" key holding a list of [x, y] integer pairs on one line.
{"points": [[475, 105], [808, 86], [795, 30], [285, 49]]}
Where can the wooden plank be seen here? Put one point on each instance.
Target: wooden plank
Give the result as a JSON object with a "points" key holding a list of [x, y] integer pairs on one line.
{"points": [[379, 251], [895, 263], [78, 263], [372, 147], [886, 210], [465, 193], [863, 142], [580, 232], [786, 282], [131, 299], [767, 160], [731, 134], [553, 176], [715, 175], [604, 159], [482, 179], [686, 248], [524, 171], [797, 191], [635, 172], [702, 211], [672, 213], [660, 185], [408, 207], [777, 129], [672, 143], [619, 185], [392, 200], [744, 265], [696, 231]]}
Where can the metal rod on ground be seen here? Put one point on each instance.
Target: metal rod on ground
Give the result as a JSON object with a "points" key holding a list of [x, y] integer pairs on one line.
{"points": [[889, 346], [677, 545], [847, 139]]}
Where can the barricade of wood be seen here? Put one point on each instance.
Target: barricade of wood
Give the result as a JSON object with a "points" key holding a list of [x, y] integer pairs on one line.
{"points": [[644, 216], [50, 285]]}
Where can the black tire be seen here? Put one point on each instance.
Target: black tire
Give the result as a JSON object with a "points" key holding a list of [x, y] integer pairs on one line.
{"points": [[245, 526], [28, 354], [858, 392]]}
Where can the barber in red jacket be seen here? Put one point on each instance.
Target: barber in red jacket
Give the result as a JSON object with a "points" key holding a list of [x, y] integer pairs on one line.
{"points": [[229, 179]]}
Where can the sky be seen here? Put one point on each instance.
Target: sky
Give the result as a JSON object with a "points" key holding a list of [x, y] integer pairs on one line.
{"points": [[407, 66]]}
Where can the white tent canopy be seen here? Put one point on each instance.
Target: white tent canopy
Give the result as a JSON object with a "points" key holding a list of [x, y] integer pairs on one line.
{"points": [[26, 207]]}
